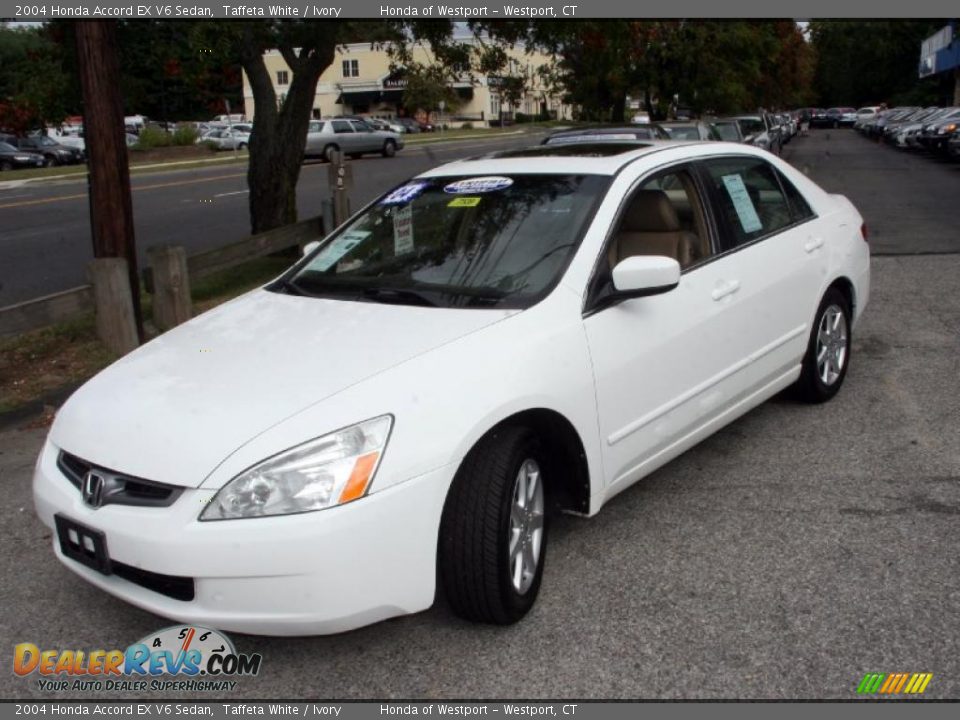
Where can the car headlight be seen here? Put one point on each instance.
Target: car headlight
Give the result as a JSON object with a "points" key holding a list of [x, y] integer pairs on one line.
{"points": [[322, 473]]}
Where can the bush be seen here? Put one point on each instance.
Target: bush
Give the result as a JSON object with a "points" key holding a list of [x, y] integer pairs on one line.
{"points": [[185, 136], [467, 126], [153, 137]]}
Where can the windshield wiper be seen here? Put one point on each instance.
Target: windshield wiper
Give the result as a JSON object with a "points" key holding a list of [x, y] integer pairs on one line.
{"points": [[403, 296], [290, 287]]}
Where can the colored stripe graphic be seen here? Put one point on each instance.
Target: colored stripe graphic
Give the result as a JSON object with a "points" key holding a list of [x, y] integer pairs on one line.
{"points": [[894, 683]]}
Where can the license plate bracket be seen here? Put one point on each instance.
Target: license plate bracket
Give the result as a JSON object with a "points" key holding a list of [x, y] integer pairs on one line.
{"points": [[83, 544]]}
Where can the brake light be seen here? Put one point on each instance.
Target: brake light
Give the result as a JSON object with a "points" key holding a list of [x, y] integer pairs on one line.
{"points": [[864, 232]]}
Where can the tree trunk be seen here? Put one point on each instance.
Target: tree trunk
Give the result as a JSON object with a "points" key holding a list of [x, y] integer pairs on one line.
{"points": [[111, 210], [280, 129]]}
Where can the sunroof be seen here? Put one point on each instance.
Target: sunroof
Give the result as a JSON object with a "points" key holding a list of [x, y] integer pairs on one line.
{"points": [[571, 149]]}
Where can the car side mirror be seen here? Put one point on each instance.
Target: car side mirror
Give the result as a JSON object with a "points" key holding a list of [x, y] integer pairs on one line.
{"points": [[310, 247], [643, 275]]}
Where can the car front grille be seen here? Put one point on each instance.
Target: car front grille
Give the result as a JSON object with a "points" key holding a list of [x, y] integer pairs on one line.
{"points": [[118, 489]]}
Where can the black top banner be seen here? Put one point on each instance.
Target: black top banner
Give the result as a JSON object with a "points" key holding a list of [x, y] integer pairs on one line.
{"points": [[460, 10]]}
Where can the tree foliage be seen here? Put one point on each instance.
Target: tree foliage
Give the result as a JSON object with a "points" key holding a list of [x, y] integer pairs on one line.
{"points": [[34, 88], [707, 65], [868, 62]]}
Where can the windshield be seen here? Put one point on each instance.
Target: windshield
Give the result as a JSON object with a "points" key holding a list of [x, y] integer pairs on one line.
{"points": [[751, 125], [683, 132], [7, 148], [726, 131], [490, 241]]}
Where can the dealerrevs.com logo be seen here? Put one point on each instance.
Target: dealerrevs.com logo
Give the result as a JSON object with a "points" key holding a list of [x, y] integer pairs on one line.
{"points": [[181, 657]]}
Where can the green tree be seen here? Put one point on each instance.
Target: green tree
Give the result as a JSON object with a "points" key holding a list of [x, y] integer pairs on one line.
{"points": [[868, 62], [34, 88]]}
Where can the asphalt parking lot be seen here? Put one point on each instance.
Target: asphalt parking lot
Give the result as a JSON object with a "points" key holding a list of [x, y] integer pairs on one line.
{"points": [[786, 556]]}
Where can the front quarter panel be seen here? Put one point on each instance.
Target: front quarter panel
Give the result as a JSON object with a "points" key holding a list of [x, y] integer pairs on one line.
{"points": [[446, 399]]}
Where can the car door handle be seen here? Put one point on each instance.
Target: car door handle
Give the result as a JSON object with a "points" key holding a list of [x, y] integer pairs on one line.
{"points": [[813, 244], [724, 289]]}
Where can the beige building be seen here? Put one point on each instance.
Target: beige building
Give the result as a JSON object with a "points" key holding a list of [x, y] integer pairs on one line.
{"points": [[359, 82]]}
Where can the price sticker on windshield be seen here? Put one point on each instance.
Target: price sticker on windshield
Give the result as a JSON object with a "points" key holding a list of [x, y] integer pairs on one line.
{"points": [[464, 202], [332, 253], [405, 193], [473, 186], [403, 231]]}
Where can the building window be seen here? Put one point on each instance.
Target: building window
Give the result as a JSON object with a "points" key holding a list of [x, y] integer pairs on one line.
{"points": [[495, 105], [351, 68], [283, 77]]}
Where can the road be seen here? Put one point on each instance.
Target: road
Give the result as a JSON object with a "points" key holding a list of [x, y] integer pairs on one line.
{"points": [[785, 557], [45, 241]]}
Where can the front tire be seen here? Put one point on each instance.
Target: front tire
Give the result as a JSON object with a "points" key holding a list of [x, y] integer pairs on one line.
{"points": [[828, 351], [389, 149], [493, 533], [328, 152], [6, 166]]}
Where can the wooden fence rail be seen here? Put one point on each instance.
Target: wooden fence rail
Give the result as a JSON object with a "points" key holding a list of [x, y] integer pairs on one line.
{"points": [[66, 305]]}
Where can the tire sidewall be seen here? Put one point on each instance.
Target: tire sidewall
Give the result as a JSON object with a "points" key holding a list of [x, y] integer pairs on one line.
{"points": [[389, 148], [518, 604], [819, 390]]}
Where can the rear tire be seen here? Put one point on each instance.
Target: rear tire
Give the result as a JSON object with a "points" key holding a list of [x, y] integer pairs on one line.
{"points": [[328, 152], [828, 351], [493, 533]]}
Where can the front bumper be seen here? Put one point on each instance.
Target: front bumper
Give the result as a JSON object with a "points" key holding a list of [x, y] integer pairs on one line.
{"points": [[314, 573]]}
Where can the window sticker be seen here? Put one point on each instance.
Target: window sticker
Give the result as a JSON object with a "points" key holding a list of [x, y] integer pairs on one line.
{"points": [[405, 193], [403, 230], [478, 185], [337, 249], [749, 220], [464, 202]]}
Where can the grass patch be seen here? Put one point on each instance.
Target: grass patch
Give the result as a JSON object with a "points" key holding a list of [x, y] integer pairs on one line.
{"points": [[41, 361]]}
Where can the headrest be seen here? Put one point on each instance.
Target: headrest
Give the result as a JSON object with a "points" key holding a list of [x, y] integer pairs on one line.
{"points": [[650, 211]]}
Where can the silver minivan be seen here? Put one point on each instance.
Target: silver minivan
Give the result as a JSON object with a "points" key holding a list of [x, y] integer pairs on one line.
{"points": [[351, 136]]}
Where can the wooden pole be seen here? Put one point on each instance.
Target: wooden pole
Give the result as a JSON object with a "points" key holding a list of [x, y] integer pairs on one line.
{"points": [[114, 307], [340, 180], [111, 210], [171, 286]]}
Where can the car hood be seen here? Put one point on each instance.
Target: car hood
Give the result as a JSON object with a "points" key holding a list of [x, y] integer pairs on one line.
{"points": [[175, 408]]}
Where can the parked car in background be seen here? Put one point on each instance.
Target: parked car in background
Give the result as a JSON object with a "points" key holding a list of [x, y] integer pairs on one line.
{"points": [[607, 133], [404, 409], [53, 152], [227, 138], [865, 115], [760, 130], [13, 158], [818, 117], [691, 130], [72, 139], [727, 129], [936, 134], [640, 117], [352, 137], [953, 145], [841, 117]]}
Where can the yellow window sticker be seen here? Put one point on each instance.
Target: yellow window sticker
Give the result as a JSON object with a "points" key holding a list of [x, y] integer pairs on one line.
{"points": [[464, 202]]}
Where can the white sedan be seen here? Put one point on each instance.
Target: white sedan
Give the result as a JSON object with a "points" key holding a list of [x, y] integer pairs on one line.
{"points": [[496, 339]]}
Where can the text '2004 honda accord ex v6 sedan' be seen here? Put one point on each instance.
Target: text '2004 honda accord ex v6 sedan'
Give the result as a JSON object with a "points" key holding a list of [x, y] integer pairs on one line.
{"points": [[495, 339]]}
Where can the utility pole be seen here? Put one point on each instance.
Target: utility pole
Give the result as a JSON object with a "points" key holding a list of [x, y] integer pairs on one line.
{"points": [[111, 209]]}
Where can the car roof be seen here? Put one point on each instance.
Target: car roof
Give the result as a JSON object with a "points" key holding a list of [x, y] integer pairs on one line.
{"points": [[588, 158]]}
